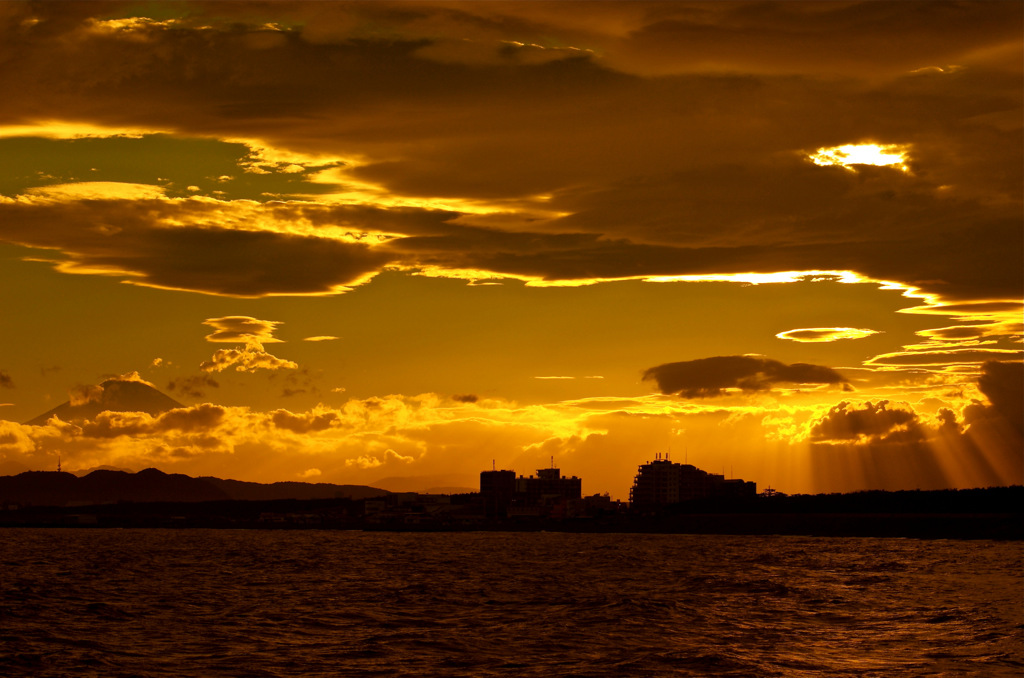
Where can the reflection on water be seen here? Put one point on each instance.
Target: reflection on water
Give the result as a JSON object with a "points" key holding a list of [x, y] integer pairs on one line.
{"points": [[251, 603]]}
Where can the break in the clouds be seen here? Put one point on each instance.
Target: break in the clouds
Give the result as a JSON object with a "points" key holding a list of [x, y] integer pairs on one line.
{"points": [[825, 334], [708, 377], [240, 328], [249, 358]]}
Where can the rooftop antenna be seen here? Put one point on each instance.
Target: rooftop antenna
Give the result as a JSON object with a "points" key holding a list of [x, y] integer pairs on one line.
{"points": [[493, 467], [552, 461], [58, 463]]}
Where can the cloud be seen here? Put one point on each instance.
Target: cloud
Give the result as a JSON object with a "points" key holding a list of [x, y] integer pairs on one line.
{"points": [[1003, 385], [5, 380], [194, 386], [708, 377], [825, 334], [234, 249], [957, 333], [199, 417], [317, 420], [390, 457], [236, 328], [945, 357], [82, 394], [466, 398], [321, 338], [868, 423], [249, 358], [132, 376], [97, 190], [691, 159]]}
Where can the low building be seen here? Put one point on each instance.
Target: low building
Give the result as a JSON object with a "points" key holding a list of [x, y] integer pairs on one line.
{"points": [[548, 484], [548, 493]]}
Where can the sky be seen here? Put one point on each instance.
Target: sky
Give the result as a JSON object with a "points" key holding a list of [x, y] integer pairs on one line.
{"points": [[399, 243]]}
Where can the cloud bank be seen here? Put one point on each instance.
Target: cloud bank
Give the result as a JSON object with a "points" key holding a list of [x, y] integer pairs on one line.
{"points": [[709, 377]]}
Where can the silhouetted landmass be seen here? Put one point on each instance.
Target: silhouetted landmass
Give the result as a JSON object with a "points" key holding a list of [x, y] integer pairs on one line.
{"points": [[114, 395], [978, 500], [238, 489], [43, 488], [990, 513]]}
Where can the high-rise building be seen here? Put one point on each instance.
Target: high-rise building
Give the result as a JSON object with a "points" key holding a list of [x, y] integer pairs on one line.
{"points": [[497, 488], [662, 482]]}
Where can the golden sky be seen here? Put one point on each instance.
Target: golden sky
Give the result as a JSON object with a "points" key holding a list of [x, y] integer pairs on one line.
{"points": [[389, 243]]}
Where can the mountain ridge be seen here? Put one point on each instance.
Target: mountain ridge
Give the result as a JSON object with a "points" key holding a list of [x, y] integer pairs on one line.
{"points": [[114, 395]]}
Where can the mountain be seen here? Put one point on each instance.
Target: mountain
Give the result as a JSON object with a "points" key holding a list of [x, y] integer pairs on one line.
{"points": [[45, 488], [115, 395], [446, 483], [237, 489]]}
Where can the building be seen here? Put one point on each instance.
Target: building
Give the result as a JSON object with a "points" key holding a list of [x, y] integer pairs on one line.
{"points": [[497, 489], [548, 484], [503, 494], [662, 482]]}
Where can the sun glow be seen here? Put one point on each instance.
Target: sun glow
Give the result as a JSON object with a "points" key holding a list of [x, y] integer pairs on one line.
{"points": [[883, 155]]}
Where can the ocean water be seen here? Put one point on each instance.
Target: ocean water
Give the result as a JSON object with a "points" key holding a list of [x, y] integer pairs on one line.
{"points": [[316, 603]]}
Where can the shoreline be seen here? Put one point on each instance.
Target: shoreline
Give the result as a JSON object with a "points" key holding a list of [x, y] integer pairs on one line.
{"points": [[959, 526]]}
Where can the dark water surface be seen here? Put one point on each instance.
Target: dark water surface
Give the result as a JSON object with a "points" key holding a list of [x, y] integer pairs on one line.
{"points": [[310, 603]]}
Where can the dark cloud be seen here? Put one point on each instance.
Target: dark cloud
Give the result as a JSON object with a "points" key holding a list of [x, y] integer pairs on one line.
{"points": [[5, 380], [846, 422], [198, 418], [193, 386], [1003, 385], [305, 422], [301, 381], [674, 147], [465, 398], [707, 377], [136, 238]]}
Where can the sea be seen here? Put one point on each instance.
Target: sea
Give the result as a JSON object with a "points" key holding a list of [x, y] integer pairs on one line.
{"points": [[154, 602]]}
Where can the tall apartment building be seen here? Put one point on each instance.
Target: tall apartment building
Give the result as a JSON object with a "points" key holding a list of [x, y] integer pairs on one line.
{"points": [[662, 482]]}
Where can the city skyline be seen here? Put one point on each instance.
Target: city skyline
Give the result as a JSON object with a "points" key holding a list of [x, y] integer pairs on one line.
{"points": [[387, 243]]}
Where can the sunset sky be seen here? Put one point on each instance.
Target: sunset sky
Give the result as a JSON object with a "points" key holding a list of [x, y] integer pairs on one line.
{"points": [[393, 243]]}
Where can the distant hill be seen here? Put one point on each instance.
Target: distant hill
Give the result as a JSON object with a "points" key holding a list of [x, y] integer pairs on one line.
{"points": [[448, 483], [237, 489], [115, 395], [44, 488]]}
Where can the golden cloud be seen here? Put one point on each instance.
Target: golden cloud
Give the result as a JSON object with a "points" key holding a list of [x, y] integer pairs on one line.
{"points": [[825, 334], [249, 358], [236, 328]]}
